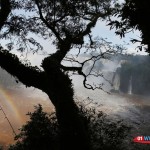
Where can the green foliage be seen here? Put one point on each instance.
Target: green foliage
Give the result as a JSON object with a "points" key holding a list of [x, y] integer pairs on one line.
{"points": [[105, 133], [42, 131], [71, 20], [134, 14]]}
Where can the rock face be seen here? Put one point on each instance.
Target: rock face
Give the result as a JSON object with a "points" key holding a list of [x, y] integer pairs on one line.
{"points": [[133, 77], [121, 73]]}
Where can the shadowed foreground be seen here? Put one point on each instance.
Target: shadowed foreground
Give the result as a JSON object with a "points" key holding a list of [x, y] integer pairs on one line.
{"points": [[42, 131]]}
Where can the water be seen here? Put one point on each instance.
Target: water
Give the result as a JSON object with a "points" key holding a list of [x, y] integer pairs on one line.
{"points": [[116, 81], [130, 86], [133, 108]]}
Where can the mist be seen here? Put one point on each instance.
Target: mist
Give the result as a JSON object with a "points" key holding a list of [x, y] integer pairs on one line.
{"points": [[126, 78], [16, 101], [115, 98]]}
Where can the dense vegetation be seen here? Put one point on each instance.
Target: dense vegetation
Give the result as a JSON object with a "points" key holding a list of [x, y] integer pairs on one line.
{"points": [[134, 15], [42, 131]]}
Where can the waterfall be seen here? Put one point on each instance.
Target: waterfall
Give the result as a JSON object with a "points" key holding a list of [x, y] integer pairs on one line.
{"points": [[130, 86], [116, 81]]}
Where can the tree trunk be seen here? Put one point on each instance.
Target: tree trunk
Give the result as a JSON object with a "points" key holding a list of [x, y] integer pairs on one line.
{"points": [[53, 82], [73, 133], [58, 86]]}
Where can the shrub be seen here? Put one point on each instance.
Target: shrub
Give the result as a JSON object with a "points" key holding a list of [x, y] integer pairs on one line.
{"points": [[105, 133], [42, 131]]}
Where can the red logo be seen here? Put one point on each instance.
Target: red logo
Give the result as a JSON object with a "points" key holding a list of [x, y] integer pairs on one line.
{"points": [[142, 139]]}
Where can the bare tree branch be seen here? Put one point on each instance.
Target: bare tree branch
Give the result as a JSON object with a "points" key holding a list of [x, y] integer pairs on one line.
{"points": [[105, 50], [46, 23], [70, 68]]}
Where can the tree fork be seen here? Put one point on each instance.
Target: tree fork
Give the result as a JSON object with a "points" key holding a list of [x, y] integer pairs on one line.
{"points": [[58, 86], [72, 127]]}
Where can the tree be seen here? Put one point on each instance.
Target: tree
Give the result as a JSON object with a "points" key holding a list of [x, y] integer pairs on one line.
{"points": [[67, 23], [41, 132], [134, 14], [101, 130]]}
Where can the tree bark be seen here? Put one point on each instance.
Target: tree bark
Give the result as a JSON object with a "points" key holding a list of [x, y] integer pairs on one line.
{"points": [[55, 83], [61, 93], [58, 86]]}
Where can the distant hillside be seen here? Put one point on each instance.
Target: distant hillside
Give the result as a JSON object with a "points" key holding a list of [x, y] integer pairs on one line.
{"points": [[134, 75], [128, 73]]}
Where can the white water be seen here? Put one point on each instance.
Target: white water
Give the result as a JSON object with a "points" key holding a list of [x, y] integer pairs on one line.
{"points": [[130, 86], [132, 108], [116, 82]]}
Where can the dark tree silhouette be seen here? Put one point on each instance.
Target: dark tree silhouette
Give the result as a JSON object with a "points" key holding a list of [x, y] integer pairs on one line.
{"points": [[66, 23], [134, 14], [41, 132]]}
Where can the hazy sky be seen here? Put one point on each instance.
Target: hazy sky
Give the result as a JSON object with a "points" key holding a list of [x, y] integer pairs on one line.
{"points": [[100, 30], [104, 31]]}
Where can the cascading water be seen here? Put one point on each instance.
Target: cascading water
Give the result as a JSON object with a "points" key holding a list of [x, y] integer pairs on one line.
{"points": [[116, 81], [130, 86]]}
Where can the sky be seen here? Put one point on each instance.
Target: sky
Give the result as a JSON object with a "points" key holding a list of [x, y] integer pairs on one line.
{"points": [[104, 31], [101, 29]]}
